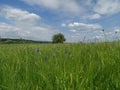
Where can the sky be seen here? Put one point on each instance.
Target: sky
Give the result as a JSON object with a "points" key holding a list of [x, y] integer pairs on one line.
{"points": [[78, 20]]}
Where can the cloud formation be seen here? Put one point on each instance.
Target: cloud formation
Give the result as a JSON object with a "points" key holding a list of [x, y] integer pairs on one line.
{"points": [[83, 26], [24, 25], [18, 15], [93, 9], [92, 17], [107, 7], [80, 31], [60, 5], [79, 18]]}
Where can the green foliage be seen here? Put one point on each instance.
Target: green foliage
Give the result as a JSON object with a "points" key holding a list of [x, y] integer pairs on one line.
{"points": [[60, 66], [58, 38]]}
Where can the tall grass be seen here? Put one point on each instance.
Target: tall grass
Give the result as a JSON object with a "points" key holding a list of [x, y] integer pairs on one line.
{"points": [[60, 66]]}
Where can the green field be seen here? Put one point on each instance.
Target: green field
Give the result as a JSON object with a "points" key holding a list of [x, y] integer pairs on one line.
{"points": [[93, 66]]}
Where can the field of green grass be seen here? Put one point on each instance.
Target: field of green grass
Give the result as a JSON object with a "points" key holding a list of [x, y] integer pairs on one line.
{"points": [[93, 66]]}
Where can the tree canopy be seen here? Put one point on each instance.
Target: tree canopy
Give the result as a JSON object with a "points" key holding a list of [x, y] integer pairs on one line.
{"points": [[58, 38]]}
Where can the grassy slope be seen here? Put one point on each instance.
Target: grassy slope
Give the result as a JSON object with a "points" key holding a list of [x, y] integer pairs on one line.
{"points": [[60, 66]]}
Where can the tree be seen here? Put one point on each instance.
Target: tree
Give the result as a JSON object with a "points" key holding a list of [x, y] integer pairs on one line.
{"points": [[58, 38]]}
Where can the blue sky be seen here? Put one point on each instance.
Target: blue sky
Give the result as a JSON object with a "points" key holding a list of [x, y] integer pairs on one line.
{"points": [[76, 19]]}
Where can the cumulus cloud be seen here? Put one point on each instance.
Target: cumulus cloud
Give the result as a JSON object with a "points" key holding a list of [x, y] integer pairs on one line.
{"points": [[107, 7], [94, 8], [59, 5], [93, 16], [81, 31], [99, 37], [34, 32], [73, 30], [24, 25], [84, 26], [117, 30], [18, 15], [7, 30], [63, 25]]}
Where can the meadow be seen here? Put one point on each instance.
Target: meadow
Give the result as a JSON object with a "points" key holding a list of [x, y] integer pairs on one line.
{"points": [[92, 66]]}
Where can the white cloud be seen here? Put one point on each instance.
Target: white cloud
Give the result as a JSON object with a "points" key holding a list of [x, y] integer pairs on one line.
{"points": [[24, 25], [93, 16], [81, 31], [59, 5], [85, 26], [63, 25], [117, 30], [107, 7], [89, 9], [82, 7], [73, 30], [7, 30], [33, 32], [18, 15], [99, 37]]}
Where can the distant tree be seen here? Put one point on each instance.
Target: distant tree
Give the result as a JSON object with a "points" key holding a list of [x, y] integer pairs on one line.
{"points": [[58, 38]]}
